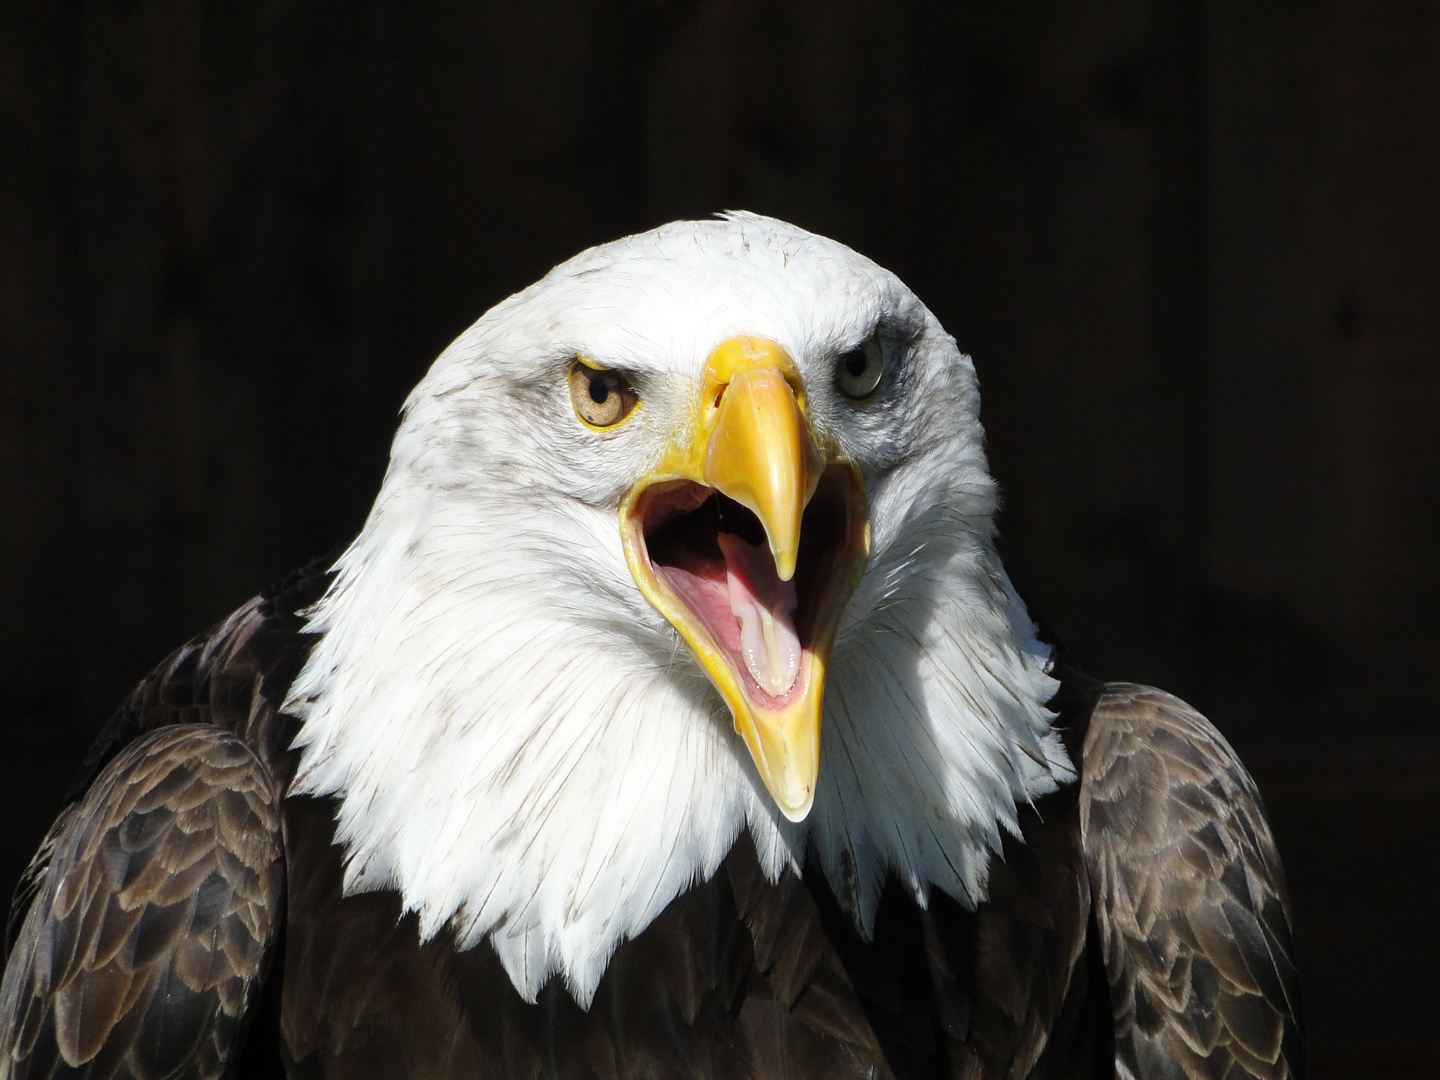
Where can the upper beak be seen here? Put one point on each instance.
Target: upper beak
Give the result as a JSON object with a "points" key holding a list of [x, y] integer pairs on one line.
{"points": [[760, 452], [760, 620]]}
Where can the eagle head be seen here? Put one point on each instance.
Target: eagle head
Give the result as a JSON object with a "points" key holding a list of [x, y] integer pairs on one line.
{"points": [[693, 536]]}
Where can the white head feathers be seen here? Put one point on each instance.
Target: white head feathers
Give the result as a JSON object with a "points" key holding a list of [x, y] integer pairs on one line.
{"points": [[526, 750]]}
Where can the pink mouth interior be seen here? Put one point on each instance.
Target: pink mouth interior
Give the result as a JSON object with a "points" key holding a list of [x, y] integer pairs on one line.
{"points": [[764, 607], [713, 553]]}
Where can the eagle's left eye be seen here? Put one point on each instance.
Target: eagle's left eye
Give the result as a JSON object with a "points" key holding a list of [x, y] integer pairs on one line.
{"points": [[858, 371], [601, 398]]}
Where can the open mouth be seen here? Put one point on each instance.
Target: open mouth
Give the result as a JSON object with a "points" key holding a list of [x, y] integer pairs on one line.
{"points": [[750, 546], [713, 555]]}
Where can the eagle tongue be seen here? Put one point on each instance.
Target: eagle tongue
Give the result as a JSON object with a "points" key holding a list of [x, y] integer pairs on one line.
{"points": [[764, 606]]}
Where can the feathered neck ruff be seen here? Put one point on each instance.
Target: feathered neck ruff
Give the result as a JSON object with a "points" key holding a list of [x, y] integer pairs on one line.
{"points": [[526, 752]]}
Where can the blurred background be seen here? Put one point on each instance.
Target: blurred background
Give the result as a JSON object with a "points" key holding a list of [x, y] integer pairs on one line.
{"points": [[1194, 248]]}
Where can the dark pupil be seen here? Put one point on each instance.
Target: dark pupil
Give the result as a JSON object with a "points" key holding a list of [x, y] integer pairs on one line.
{"points": [[599, 391], [855, 363]]}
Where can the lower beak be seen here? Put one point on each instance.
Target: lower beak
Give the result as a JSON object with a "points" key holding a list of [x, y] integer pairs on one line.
{"points": [[750, 543]]}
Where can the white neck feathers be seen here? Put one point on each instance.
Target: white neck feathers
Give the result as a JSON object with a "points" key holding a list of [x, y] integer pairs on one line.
{"points": [[525, 751]]}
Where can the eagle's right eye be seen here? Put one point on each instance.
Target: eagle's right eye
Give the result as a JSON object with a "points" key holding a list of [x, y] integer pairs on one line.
{"points": [[857, 372], [601, 398]]}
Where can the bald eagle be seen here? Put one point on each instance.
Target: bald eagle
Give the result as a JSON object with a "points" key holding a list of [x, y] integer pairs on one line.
{"points": [[671, 716]]}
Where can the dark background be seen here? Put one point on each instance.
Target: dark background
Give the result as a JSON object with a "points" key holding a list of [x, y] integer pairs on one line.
{"points": [[1194, 248]]}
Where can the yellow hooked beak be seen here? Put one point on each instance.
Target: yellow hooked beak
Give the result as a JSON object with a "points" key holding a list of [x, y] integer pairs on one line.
{"points": [[756, 592]]}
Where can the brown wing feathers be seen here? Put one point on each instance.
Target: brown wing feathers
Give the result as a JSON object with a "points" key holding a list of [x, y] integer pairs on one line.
{"points": [[154, 922], [1190, 896]]}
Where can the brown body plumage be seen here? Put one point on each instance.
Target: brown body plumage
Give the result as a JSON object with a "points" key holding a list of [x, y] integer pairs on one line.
{"points": [[1141, 925]]}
